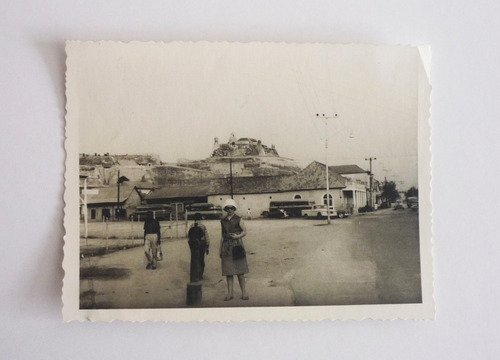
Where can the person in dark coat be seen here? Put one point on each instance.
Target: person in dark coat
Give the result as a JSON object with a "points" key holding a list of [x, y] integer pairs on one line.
{"points": [[199, 244]]}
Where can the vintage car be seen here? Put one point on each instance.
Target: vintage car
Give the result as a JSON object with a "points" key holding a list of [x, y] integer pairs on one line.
{"points": [[275, 213], [399, 205]]}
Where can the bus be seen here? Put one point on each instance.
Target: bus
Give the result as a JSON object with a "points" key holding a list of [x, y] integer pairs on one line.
{"points": [[206, 210], [412, 202], [292, 207], [160, 212]]}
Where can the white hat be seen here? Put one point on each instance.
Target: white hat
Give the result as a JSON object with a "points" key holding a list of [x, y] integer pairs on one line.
{"points": [[230, 202]]}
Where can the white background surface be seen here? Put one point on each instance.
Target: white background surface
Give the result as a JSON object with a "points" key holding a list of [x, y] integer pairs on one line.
{"points": [[465, 77]]}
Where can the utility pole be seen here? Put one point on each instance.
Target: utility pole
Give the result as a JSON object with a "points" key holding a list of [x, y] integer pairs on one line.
{"points": [[118, 202], [371, 180], [326, 163], [228, 154], [85, 208], [231, 175], [118, 182]]}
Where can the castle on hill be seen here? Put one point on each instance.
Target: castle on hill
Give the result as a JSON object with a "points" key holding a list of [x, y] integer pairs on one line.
{"points": [[245, 169], [242, 147], [243, 157]]}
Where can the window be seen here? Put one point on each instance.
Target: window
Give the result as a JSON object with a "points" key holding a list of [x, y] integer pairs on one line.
{"points": [[330, 202], [92, 214], [297, 196]]}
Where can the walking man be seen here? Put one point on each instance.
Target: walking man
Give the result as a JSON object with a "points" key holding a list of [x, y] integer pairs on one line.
{"points": [[152, 238]]}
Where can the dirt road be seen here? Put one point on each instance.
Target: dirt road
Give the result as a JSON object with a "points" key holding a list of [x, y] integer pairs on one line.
{"points": [[365, 259]]}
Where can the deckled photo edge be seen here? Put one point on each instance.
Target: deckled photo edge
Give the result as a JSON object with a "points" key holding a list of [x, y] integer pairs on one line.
{"points": [[70, 295]]}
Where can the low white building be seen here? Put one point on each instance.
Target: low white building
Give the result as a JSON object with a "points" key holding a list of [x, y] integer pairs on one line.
{"points": [[356, 193], [254, 194]]}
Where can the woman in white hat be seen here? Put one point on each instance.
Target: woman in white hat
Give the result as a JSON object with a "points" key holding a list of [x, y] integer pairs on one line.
{"points": [[234, 262]]}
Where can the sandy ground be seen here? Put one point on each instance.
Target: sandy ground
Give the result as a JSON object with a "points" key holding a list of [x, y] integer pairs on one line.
{"points": [[364, 259]]}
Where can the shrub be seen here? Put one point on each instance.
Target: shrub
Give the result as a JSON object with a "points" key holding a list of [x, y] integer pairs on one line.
{"points": [[366, 208]]}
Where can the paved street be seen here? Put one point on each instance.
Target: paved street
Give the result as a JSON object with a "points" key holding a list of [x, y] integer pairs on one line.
{"points": [[364, 259]]}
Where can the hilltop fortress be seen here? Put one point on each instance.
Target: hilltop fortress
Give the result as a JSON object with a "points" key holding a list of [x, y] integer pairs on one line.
{"points": [[243, 157]]}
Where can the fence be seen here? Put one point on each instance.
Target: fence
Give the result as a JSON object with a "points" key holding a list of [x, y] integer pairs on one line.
{"points": [[133, 229]]}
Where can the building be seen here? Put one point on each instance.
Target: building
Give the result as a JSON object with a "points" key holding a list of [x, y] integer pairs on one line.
{"points": [[357, 185], [103, 202], [253, 194]]}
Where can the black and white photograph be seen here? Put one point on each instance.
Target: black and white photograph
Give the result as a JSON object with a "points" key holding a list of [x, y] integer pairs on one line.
{"points": [[247, 181]]}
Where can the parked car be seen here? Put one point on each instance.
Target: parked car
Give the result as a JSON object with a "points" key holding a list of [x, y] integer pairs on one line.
{"points": [[320, 211], [399, 205], [206, 210], [342, 213], [275, 213]]}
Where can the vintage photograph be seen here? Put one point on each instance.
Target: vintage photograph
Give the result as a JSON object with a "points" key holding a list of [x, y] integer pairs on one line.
{"points": [[247, 181]]}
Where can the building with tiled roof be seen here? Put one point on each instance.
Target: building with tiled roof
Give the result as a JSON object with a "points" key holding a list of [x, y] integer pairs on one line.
{"points": [[347, 169], [253, 194], [358, 178], [103, 202], [186, 193]]}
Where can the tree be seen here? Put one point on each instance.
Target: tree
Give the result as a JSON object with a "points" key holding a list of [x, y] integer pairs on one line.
{"points": [[412, 192], [389, 192]]}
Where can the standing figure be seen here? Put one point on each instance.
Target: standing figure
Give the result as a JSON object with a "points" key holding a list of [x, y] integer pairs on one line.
{"points": [[233, 262], [152, 238], [199, 243]]}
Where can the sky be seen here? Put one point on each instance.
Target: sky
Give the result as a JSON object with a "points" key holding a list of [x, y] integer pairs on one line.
{"points": [[173, 99]]}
